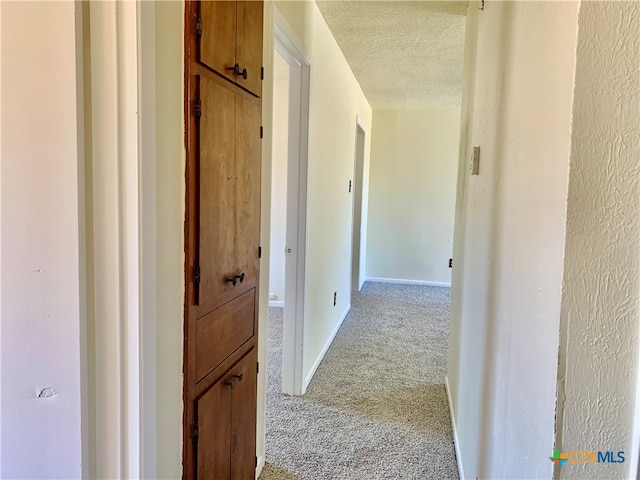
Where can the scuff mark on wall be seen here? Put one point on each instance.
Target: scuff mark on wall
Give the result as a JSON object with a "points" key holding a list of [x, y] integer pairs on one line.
{"points": [[47, 392]]}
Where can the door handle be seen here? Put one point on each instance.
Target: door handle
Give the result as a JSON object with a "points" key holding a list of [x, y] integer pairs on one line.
{"points": [[236, 69], [234, 279]]}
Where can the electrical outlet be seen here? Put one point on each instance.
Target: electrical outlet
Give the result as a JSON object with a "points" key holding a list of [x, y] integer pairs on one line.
{"points": [[335, 298]]}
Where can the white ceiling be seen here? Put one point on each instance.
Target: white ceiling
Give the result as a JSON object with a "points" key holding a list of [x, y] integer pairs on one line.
{"points": [[406, 55]]}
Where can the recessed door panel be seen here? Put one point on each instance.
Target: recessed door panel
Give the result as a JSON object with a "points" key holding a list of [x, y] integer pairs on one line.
{"points": [[214, 416], [218, 38], [217, 191], [223, 331], [243, 420], [248, 158], [249, 45]]}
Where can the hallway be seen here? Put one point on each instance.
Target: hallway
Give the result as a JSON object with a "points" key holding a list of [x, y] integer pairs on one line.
{"points": [[377, 406]]}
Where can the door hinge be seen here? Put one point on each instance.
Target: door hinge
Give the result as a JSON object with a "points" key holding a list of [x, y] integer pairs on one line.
{"points": [[349, 186], [196, 275], [261, 131], [194, 432], [261, 73], [259, 252], [198, 26], [256, 462], [257, 367], [197, 107], [196, 283]]}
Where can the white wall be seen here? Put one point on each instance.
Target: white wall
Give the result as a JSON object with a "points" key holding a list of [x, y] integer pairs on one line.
{"points": [[170, 197], [279, 178], [335, 100], [39, 256], [601, 304], [509, 237], [414, 161]]}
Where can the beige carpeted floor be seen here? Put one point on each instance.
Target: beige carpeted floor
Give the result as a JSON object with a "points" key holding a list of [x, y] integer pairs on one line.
{"points": [[377, 406]]}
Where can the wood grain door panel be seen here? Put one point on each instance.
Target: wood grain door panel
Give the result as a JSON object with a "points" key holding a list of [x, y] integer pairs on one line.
{"points": [[217, 187], [223, 331], [222, 235], [243, 419], [249, 44], [248, 159], [218, 39], [213, 411]]}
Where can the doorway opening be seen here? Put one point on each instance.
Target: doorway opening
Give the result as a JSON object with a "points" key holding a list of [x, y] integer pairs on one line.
{"points": [[279, 181], [289, 201], [357, 277]]}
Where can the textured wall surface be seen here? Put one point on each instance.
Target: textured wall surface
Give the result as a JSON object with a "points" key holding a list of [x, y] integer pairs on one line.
{"points": [[414, 161], [407, 54], [600, 308], [509, 239]]}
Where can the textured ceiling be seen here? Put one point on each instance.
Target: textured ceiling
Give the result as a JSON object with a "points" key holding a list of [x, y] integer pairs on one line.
{"points": [[406, 55]]}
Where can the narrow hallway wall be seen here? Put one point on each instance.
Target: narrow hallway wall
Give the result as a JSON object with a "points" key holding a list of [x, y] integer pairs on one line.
{"points": [[336, 99], [509, 238]]}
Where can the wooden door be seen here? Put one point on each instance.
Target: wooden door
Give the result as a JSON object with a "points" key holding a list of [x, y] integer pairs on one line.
{"points": [[248, 158], [226, 415], [217, 191], [217, 32], [243, 418], [222, 234], [249, 45], [214, 410]]}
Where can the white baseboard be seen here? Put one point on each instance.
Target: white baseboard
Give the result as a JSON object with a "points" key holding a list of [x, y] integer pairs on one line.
{"points": [[260, 466], [316, 364], [407, 282], [276, 303], [456, 444]]}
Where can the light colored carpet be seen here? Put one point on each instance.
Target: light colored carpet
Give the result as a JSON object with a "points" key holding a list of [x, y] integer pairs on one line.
{"points": [[377, 406]]}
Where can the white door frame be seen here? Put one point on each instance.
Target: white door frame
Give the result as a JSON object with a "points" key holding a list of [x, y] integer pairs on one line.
{"points": [[357, 209], [117, 125], [286, 44], [112, 240]]}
